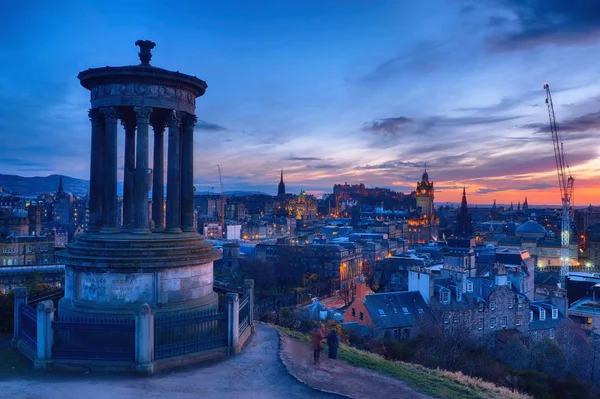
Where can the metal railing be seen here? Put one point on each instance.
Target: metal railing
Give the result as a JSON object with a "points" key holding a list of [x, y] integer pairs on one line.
{"points": [[244, 315], [28, 325], [94, 339], [189, 332]]}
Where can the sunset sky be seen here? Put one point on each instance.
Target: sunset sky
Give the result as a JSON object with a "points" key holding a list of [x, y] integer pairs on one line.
{"points": [[330, 91]]}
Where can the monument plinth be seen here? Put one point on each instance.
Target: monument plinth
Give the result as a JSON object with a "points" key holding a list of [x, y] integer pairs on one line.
{"points": [[151, 256]]}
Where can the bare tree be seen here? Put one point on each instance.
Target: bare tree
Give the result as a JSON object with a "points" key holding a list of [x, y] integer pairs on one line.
{"points": [[347, 291]]}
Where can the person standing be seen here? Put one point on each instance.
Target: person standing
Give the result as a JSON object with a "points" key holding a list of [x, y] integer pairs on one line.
{"points": [[333, 341], [317, 336]]}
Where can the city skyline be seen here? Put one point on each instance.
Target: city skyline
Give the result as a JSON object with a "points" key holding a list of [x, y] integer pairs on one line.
{"points": [[351, 92]]}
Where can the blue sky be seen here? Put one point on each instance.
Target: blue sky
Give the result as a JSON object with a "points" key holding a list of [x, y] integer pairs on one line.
{"points": [[329, 91]]}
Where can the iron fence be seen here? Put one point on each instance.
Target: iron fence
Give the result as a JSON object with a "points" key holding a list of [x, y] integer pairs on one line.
{"points": [[110, 339], [28, 325], [189, 332], [244, 315]]}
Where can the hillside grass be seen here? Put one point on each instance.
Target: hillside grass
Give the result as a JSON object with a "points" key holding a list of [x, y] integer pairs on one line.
{"points": [[434, 382]]}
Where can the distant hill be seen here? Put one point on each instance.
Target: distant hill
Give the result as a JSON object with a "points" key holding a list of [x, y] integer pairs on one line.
{"points": [[40, 185], [49, 184]]}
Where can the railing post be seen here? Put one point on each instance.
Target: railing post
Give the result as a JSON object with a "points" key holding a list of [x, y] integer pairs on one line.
{"points": [[249, 292], [144, 339], [233, 322], [20, 298], [45, 335]]}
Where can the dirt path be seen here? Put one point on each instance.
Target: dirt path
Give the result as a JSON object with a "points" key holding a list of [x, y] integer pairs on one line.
{"points": [[257, 372], [338, 377]]}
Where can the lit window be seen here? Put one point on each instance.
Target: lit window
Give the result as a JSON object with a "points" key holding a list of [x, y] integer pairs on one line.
{"points": [[518, 320], [480, 323], [445, 296]]}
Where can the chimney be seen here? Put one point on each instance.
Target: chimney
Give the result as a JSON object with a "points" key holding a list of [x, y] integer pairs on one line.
{"points": [[362, 290]]}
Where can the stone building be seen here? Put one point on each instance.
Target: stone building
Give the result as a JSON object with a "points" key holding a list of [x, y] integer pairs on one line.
{"points": [[423, 226], [388, 314], [62, 207], [26, 250]]}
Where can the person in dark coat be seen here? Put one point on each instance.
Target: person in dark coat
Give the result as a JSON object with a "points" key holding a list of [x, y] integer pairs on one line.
{"points": [[333, 341]]}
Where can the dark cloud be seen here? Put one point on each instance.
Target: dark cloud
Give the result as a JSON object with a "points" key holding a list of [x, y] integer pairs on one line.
{"points": [[213, 127], [528, 187], [301, 159], [581, 123], [543, 22], [388, 125], [397, 164], [322, 166]]}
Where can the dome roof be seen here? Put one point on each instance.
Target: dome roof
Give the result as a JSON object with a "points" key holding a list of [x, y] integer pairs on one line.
{"points": [[530, 228]]}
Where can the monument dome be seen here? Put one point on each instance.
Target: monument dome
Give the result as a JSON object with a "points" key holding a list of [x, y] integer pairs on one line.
{"points": [[530, 229]]}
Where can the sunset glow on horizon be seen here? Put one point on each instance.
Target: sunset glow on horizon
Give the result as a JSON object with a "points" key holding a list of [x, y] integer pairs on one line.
{"points": [[352, 91]]}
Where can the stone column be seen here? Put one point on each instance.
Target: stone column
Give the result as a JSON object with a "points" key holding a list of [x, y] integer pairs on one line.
{"points": [[174, 175], [249, 292], [45, 336], [233, 322], [187, 174], [129, 171], [141, 221], [158, 185], [144, 339], [109, 172], [20, 298], [96, 184]]}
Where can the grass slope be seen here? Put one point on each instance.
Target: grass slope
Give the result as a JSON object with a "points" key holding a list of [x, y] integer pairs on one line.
{"points": [[437, 383]]}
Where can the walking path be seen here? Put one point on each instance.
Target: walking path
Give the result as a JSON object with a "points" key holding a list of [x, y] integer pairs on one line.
{"points": [[257, 372], [339, 377]]}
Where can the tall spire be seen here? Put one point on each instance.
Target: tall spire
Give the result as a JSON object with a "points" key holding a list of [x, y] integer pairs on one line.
{"points": [[281, 188], [60, 186], [464, 226]]}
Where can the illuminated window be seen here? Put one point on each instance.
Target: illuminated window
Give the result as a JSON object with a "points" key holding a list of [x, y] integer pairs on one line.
{"points": [[518, 320]]}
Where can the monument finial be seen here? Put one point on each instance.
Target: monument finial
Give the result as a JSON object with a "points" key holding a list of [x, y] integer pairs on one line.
{"points": [[145, 54]]}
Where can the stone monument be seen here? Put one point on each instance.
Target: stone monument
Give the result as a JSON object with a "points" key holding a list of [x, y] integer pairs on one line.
{"points": [[153, 257]]}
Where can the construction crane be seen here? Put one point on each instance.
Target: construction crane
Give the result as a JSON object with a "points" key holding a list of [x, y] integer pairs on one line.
{"points": [[222, 203], [566, 183]]}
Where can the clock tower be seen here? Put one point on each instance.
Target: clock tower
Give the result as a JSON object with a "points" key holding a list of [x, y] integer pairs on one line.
{"points": [[425, 196]]}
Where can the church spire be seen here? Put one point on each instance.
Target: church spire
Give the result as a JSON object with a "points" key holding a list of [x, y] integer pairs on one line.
{"points": [[281, 188], [60, 186], [464, 226]]}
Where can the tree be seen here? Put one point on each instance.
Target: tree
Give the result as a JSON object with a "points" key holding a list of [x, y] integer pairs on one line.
{"points": [[347, 291], [378, 275]]}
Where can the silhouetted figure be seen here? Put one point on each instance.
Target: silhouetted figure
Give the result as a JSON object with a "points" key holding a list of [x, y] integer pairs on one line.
{"points": [[333, 341], [317, 336]]}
